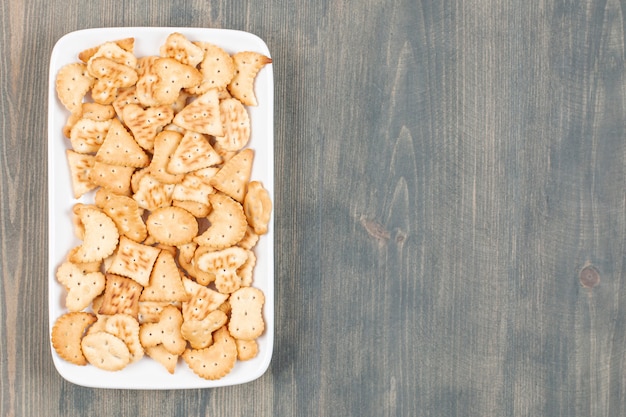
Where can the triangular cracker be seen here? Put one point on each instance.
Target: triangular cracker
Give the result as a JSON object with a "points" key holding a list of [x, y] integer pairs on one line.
{"points": [[232, 179], [193, 152], [165, 281], [114, 178], [202, 115], [120, 148]]}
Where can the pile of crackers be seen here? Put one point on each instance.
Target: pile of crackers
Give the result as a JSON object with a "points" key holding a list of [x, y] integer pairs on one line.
{"points": [[165, 264]]}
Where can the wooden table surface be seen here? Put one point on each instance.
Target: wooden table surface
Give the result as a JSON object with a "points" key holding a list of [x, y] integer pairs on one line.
{"points": [[445, 172]]}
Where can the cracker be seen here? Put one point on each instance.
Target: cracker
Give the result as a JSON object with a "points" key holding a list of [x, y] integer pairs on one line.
{"points": [[228, 223], [105, 351], [186, 254], [165, 143], [115, 178], [114, 52], [127, 329], [82, 286], [165, 332], [246, 349], [67, 333], [247, 66], [149, 311], [202, 115], [120, 148], [217, 360], [249, 239], [96, 111], [199, 210], [125, 97], [152, 194], [110, 76], [257, 207], [194, 152], [146, 123], [121, 296], [162, 356], [165, 281], [199, 333], [246, 318], [236, 125], [224, 264], [232, 179], [246, 271], [195, 186], [73, 82], [173, 76], [134, 260], [80, 166], [217, 68], [202, 300], [87, 135], [172, 225], [180, 48], [127, 216], [127, 44], [100, 236]]}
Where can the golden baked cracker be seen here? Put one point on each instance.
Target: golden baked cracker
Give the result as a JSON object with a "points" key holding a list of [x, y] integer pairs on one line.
{"points": [[121, 296], [165, 281], [100, 237], [199, 333], [232, 179], [152, 194], [99, 324], [227, 223], [149, 311], [127, 216], [145, 124], [180, 48], [136, 178], [225, 307], [247, 66], [181, 101], [197, 209], [80, 166], [217, 69], [67, 333], [73, 82], [127, 44], [257, 207], [186, 261], [236, 125], [173, 76], [87, 135], [194, 152], [115, 178], [202, 300], [162, 356], [95, 111], [82, 287], [125, 96], [120, 148], [109, 77], [165, 143], [246, 271], [165, 332], [246, 318], [126, 328], [195, 186], [249, 239], [102, 196], [202, 115], [134, 260], [172, 225], [217, 360], [224, 264], [246, 349], [105, 351], [148, 81], [114, 52]]}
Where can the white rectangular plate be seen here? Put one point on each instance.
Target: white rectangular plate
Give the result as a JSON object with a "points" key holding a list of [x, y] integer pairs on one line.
{"points": [[148, 374]]}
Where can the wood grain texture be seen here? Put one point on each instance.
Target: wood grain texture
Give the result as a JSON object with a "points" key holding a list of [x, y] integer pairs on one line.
{"points": [[444, 172]]}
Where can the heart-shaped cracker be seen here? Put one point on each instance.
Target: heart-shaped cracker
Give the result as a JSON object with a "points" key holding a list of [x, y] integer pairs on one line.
{"points": [[109, 77], [217, 69], [180, 48], [87, 135], [127, 215]]}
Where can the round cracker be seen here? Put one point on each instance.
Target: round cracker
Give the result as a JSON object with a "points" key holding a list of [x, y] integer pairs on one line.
{"points": [[105, 351], [172, 225]]}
